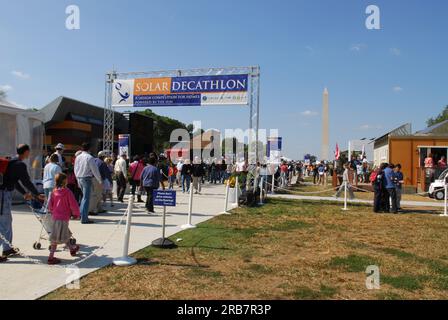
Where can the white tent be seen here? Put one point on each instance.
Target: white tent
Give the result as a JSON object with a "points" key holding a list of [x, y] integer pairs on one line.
{"points": [[22, 126]]}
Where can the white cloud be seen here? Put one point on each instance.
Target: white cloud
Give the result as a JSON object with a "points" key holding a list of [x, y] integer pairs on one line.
{"points": [[309, 113], [395, 51], [358, 47], [5, 87], [397, 89], [309, 48], [20, 74], [370, 127]]}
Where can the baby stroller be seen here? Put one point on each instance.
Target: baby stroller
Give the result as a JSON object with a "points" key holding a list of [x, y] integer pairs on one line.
{"points": [[44, 217]]}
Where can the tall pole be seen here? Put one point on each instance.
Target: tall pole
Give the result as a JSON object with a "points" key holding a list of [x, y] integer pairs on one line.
{"points": [[108, 125], [325, 120]]}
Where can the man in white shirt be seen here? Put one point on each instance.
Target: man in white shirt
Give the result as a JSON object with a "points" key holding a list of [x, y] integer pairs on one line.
{"points": [[179, 171], [121, 173], [85, 170]]}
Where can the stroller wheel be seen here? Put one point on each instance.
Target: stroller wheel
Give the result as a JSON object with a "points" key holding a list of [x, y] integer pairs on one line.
{"points": [[37, 246]]}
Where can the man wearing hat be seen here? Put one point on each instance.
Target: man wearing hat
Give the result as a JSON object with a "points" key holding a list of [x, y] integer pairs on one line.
{"points": [[61, 159]]}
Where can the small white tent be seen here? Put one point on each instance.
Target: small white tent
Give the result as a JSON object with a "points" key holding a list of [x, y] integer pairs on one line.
{"points": [[22, 126]]}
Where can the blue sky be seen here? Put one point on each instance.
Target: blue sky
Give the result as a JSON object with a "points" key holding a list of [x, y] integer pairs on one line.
{"points": [[377, 79]]}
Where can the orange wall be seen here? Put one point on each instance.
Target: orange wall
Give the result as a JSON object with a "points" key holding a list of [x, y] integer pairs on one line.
{"points": [[72, 125], [405, 152], [401, 151]]}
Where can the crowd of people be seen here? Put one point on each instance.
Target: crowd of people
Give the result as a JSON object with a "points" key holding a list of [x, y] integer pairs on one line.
{"points": [[387, 181], [83, 187]]}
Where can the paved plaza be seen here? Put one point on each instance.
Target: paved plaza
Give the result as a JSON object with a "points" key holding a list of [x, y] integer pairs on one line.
{"points": [[22, 278]]}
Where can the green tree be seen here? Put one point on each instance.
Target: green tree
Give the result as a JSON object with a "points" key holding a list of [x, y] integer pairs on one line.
{"points": [[440, 118], [163, 126], [2, 94]]}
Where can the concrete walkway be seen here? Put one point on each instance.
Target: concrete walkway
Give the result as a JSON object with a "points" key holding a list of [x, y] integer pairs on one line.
{"points": [[22, 279], [317, 198]]}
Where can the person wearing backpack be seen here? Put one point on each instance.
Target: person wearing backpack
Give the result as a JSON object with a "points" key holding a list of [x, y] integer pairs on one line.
{"points": [[16, 171]]}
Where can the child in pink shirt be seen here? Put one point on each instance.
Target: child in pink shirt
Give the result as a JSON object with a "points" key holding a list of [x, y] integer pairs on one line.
{"points": [[62, 205]]}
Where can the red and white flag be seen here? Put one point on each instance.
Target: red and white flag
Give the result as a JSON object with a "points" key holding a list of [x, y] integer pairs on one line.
{"points": [[337, 153]]}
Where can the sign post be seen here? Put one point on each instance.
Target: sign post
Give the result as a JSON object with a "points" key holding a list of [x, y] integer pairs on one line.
{"points": [[164, 198]]}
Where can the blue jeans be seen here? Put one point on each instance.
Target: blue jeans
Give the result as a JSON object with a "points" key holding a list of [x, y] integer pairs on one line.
{"points": [[6, 218], [47, 192], [86, 187], [186, 179]]}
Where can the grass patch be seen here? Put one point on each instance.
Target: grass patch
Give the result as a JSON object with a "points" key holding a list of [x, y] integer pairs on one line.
{"points": [[204, 273], [327, 292], [305, 293], [388, 296], [405, 282], [399, 253], [259, 268], [286, 249], [290, 225], [353, 263]]}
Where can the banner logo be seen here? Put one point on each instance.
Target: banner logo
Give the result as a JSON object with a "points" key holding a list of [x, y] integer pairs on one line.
{"points": [[182, 91]]}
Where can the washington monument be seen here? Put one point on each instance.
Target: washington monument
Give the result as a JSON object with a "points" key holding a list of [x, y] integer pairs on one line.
{"points": [[325, 137]]}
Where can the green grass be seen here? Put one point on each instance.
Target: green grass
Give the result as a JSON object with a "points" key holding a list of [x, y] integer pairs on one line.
{"points": [[259, 268], [405, 282], [400, 253], [305, 293], [286, 249], [353, 263]]}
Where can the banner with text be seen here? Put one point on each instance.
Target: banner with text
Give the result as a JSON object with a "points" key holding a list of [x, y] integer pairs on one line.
{"points": [[181, 91], [123, 144], [274, 149]]}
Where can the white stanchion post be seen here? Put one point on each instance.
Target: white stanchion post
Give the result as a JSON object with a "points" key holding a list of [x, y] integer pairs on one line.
{"points": [[445, 212], [261, 192], [125, 260], [237, 187], [273, 183], [189, 225], [345, 196], [226, 203]]}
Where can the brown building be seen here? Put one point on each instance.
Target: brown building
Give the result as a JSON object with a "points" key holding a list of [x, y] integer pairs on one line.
{"points": [[411, 150], [73, 122]]}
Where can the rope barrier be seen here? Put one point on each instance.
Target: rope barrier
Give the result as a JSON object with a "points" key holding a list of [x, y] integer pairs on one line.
{"points": [[305, 192]]}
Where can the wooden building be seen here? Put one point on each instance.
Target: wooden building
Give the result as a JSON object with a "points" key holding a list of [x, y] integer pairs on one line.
{"points": [[411, 150]]}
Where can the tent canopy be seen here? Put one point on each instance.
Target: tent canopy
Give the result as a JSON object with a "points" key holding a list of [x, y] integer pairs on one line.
{"points": [[22, 126]]}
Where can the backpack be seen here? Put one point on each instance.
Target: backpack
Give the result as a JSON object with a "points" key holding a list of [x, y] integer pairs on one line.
{"points": [[3, 167], [373, 176]]}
